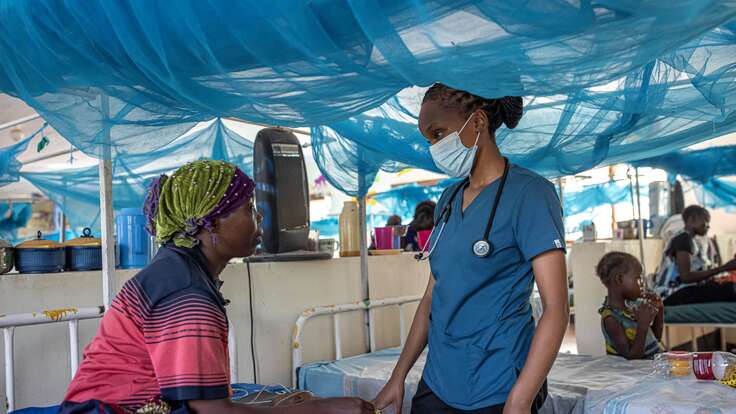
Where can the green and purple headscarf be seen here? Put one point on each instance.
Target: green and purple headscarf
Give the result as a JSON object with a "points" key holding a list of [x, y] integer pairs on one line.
{"points": [[197, 194]]}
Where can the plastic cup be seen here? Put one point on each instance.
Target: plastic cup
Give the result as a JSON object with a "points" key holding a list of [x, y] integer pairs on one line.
{"points": [[384, 238], [423, 237]]}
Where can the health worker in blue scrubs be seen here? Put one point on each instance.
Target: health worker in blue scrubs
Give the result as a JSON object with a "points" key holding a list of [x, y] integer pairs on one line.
{"points": [[497, 231]]}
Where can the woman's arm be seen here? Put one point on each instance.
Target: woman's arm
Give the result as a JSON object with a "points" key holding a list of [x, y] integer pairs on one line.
{"points": [[393, 393], [551, 276], [682, 259]]}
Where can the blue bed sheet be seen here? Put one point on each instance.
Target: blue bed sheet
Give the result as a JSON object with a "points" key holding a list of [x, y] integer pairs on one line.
{"points": [[718, 312], [37, 410], [240, 391]]}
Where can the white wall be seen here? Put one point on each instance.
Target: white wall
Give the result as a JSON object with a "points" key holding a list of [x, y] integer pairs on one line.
{"points": [[281, 292]]}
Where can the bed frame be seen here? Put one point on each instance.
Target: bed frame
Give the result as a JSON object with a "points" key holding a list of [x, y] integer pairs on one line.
{"points": [[71, 316], [693, 336], [335, 311]]}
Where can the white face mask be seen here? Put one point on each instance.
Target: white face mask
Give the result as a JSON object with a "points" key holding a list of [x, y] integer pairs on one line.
{"points": [[452, 157]]}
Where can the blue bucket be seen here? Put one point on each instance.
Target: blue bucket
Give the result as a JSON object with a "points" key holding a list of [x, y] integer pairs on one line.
{"points": [[132, 238]]}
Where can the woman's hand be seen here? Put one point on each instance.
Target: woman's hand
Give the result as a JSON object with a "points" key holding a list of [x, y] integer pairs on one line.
{"points": [[730, 266], [392, 395]]}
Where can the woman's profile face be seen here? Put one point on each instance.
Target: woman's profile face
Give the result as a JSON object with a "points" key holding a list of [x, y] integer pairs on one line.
{"points": [[240, 233], [436, 121]]}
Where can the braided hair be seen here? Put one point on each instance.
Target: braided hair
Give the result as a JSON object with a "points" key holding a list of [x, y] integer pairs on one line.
{"points": [[615, 263], [507, 110]]}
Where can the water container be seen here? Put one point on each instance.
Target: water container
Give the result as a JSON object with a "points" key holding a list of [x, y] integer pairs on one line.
{"points": [[133, 240], [349, 230]]}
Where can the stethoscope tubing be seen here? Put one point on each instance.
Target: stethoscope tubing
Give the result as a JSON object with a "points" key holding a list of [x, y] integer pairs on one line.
{"points": [[482, 247]]}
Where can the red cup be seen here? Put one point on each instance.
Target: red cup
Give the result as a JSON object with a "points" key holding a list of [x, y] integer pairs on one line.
{"points": [[423, 238], [384, 238]]}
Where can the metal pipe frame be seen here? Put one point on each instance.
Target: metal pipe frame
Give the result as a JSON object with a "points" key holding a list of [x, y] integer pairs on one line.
{"points": [[72, 316], [369, 306]]}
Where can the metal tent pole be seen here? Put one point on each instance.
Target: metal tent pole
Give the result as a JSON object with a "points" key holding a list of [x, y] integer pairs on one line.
{"points": [[641, 227], [62, 225], [611, 175], [107, 219], [62, 219], [364, 284], [363, 248], [19, 121]]}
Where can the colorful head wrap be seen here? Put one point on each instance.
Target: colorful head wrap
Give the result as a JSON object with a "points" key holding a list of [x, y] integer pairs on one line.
{"points": [[197, 194]]}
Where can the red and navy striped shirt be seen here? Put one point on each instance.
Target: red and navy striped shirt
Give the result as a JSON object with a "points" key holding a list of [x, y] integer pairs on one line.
{"points": [[164, 336]]}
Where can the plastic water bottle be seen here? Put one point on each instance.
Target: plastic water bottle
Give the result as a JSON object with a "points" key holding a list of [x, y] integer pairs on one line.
{"points": [[709, 366]]}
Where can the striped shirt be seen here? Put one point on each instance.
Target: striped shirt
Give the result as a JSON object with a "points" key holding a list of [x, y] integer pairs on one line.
{"points": [[164, 337]]}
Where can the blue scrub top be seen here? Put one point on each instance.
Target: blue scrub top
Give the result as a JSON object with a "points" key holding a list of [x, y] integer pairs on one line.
{"points": [[481, 324]]}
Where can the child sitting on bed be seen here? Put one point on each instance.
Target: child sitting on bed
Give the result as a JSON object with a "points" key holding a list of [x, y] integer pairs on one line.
{"points": [[631, 331]]}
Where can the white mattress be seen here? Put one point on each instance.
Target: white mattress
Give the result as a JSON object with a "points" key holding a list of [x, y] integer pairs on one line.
{"points": [[577, 384]]}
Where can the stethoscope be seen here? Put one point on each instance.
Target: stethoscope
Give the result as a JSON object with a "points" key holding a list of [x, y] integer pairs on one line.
{"points": [[481, 248]]}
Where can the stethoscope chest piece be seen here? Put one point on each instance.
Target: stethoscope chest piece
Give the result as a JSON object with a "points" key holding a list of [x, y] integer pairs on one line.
{"points": [[482, 248]]}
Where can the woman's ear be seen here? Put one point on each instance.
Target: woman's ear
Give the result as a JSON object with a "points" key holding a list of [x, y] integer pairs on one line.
{"points": [[215, 226], [481, 122], [619, 279]]}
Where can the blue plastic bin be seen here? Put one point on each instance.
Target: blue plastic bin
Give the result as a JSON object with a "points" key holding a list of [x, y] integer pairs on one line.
{"points": [[133, 239]]}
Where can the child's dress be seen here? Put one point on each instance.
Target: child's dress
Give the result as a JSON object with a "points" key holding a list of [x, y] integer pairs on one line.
{"points": [[628, 322]]}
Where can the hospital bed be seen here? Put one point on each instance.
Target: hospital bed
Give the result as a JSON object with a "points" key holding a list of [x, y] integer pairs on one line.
{"points": [[577, 383], [71, 316], [700, 315]]}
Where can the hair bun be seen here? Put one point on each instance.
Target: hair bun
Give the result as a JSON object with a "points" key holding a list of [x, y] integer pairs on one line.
{"points": [[512, 109]]}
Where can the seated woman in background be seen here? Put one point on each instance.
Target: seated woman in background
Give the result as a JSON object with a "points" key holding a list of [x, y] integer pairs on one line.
{"points": [[423, 220], [162, 346], [394, 220], [630, 333], [686, 275]]}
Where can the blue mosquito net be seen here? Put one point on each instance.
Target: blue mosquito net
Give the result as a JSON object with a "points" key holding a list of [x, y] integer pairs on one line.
{"points": [[76, 191], [129, 76], [9, 164], [699, 165], [718, 193], [13, 216], [683, 97], [592, 196], [403, 200]]}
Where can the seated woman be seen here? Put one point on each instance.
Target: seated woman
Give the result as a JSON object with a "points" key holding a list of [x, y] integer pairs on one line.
{"points": [[685, 275], [162, 346], [423, 220], [630, 333]]}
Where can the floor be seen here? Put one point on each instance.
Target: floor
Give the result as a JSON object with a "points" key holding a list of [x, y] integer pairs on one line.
{"points": [[569, 345]]}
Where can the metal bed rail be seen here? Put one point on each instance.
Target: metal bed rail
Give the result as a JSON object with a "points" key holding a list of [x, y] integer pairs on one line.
{"points": [[335, 311], [72, 316]]}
